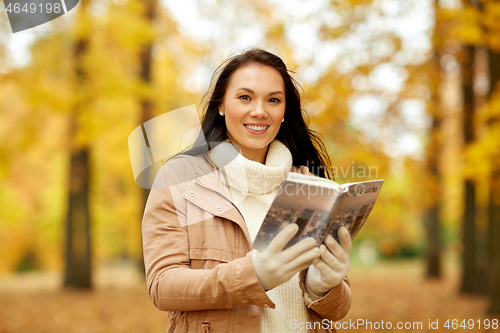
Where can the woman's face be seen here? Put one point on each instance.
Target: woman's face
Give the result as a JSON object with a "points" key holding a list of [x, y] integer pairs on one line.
{"points": [[253, 106]]}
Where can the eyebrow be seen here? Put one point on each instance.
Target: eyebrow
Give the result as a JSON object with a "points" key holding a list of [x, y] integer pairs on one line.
{"points": [[251, 91]]}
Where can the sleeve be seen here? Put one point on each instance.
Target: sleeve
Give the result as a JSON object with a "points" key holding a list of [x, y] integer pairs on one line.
{"points": [[172, 284], [334, 305]]}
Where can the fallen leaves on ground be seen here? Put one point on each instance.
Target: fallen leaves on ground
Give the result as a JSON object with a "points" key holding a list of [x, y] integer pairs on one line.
{"points": [[389, 292]]}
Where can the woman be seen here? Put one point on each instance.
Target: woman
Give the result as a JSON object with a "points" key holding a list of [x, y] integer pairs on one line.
{"points": [[206, 208]]}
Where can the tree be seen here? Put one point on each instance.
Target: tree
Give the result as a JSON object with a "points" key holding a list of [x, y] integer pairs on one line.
{"points": [[78, 241], [150, 8], [362, 112], [494, 187], [432, 215], [469, 276]]}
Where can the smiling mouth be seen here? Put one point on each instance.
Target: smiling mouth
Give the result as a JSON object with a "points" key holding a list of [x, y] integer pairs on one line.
{"points": [[257, 128]]}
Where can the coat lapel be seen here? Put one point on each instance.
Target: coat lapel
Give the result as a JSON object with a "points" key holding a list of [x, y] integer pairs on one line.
{"points": [[207, 192]]}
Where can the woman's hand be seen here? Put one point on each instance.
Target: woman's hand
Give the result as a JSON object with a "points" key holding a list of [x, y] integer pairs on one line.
{"points": [[302, 169], [275, 266], [330, 269]]}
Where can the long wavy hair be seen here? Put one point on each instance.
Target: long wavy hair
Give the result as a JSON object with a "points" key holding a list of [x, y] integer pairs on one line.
{"points": [[306, 147]]}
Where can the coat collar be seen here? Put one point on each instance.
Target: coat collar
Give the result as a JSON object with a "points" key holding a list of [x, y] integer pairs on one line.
{"points": [[211, 196]]}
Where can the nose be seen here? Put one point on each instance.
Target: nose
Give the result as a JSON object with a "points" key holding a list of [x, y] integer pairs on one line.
{"points": [[259, 110]]}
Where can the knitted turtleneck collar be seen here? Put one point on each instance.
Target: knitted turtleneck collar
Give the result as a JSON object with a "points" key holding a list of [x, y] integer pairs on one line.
{"points": [[249, 176]]}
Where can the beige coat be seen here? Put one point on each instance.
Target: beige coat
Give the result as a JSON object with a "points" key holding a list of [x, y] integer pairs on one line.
{"points": [[197, 253]]}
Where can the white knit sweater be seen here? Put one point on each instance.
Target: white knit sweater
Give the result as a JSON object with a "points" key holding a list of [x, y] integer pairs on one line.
{"points": [[252, 187]]}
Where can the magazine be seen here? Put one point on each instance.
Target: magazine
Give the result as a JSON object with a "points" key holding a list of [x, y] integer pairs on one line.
{"points": [[319, 207]]}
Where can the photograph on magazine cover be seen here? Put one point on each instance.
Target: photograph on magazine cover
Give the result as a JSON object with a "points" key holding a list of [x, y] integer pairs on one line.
{"points": [[354, 209]]}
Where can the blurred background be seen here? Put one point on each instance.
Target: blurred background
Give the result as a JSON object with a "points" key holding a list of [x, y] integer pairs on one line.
{"points": [[401, 90]]}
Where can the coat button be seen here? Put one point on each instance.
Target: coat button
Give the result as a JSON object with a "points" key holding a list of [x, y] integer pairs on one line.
{"points": [[218, 208], [191, 193]]}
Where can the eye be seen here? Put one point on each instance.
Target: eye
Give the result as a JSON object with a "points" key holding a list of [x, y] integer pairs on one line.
{"points": [[274, 100], [244, 97]]}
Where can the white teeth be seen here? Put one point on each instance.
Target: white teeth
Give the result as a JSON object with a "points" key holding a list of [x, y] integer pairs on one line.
{"points": [[256, 128]]}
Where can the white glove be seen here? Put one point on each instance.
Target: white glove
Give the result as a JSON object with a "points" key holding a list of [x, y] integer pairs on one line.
{"points": [[330, 269], [275, 266]]}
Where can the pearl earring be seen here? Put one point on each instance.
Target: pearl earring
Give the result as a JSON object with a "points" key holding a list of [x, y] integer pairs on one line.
{"points": [[282, 120], [221, 113]]}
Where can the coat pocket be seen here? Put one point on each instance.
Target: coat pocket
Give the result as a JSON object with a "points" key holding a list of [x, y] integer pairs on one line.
{"points": [[216, 320]]}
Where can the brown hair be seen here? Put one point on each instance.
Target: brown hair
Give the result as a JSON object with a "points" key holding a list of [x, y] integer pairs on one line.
{"points": [[304, 144]]}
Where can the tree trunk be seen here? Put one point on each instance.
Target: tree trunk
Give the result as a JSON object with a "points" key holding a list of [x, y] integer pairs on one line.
{"points": [[494, 244], [432, 218], [494, 201], [434, 243], [78, 243], [469, 270], [146, 105], [78, 254], [432, 214]]}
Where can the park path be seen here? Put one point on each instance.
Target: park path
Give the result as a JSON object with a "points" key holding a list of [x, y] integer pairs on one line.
{"points": [[390, 292]]}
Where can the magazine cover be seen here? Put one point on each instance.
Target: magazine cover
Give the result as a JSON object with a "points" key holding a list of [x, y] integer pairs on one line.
{"points": [[318, 208], [356, 204]]}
